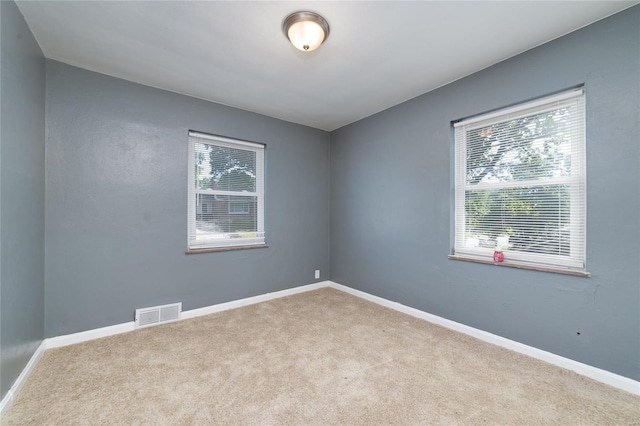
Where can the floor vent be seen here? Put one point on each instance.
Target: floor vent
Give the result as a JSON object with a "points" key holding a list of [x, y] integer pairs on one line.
{"points": [[155, 315]]}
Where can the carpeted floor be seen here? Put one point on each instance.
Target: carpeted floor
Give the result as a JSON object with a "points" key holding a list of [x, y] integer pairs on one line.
{"points": [[321, 357]]}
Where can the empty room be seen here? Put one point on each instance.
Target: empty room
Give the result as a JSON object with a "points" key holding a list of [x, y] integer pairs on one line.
{"points": [[359, 213]]}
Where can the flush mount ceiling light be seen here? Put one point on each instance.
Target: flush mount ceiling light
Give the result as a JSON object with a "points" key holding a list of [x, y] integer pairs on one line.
{"points": [[306, 30]]}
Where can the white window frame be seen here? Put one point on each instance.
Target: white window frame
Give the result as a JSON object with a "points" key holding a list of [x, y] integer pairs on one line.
{"points": [[193, 244], [576, 261]]}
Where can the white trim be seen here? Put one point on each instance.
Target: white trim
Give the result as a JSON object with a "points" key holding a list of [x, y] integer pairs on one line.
{"points": [[563, 180], [6, 402], [252, 300], [522, 107], [97, 333], [225, 140], [607, 377], [560, 262], [84, 336], [603, 376], [231, 193], [191, 195]]}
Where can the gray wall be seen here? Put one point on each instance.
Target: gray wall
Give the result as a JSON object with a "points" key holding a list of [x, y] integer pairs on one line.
{"points": [[116, 213], [22, 190], [116, 202], [391, 204]]}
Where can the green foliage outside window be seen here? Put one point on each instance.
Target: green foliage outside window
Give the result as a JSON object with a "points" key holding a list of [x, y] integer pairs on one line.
{"points": [[528, 150]]}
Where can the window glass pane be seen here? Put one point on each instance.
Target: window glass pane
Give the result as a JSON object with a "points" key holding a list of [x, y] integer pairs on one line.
{"points": [[527, 148], [225, 169], [214, 220], [531, 219], [236, 207]]}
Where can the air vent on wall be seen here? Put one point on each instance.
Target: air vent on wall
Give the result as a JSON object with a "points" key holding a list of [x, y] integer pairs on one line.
{"points": [[158, 315]]}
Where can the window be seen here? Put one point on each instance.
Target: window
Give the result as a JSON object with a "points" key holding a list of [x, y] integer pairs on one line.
{"points": [[520, 184], [226, 192], [238, 208]]}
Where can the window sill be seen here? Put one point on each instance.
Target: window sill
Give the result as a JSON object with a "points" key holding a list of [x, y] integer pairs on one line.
{"points": [[233, 248], [511, 264]]}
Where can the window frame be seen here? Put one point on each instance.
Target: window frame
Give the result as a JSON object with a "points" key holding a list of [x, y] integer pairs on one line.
{"points": [[575, 263], [193, 246]]}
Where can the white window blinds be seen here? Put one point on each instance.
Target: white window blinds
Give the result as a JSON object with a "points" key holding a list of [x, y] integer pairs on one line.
{"points": [[226, 192], [520, 183]]}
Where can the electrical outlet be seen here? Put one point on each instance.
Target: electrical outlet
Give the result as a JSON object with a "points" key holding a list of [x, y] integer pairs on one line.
{"points": [[317, 274]]}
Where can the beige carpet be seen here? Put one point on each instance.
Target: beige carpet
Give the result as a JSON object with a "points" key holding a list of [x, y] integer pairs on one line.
{"points": [[322, 357]]}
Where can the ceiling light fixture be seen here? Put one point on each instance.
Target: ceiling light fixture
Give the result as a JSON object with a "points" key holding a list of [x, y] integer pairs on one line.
{"points": [[305, 30]]}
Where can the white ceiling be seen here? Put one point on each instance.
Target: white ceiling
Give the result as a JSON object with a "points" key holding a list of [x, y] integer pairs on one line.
{"points": [[379, 53]]}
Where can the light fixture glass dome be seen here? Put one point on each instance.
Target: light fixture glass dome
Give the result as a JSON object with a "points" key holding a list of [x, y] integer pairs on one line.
{"points": [[306, 30]]}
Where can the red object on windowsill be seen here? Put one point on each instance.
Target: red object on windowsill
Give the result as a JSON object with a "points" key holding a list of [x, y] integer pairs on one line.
{"points": [[498, 256]]}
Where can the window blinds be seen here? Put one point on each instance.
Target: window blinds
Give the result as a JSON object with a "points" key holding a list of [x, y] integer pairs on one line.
{"points": [[226, 192], [520, 183]]}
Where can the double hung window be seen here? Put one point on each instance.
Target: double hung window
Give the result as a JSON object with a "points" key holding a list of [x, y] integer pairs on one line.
{"points": [[226, 192], [520, 183]]}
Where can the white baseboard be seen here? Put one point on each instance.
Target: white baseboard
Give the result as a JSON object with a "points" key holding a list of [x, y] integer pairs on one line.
{"points": [[598, 374], [252, 300], [595, 373], [83, 336], [20, 381]]}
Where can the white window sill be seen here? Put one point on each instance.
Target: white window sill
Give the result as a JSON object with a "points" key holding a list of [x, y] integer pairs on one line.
{"points": [[230, 248], [512, 264]]}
